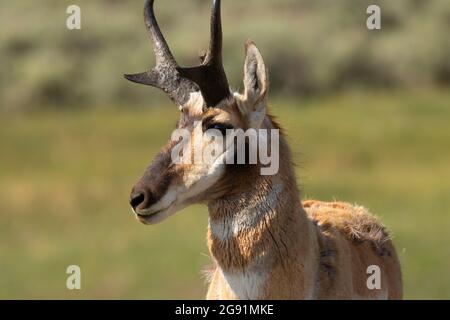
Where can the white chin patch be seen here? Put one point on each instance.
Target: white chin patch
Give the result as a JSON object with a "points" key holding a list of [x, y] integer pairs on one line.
{"points": [[160, 216]]}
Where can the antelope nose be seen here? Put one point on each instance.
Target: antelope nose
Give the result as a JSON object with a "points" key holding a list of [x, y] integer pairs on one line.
{"points": [[137, 199]]}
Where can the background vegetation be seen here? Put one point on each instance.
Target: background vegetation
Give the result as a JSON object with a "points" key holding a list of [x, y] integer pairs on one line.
{"points": [[311, 46], [366, 112]]}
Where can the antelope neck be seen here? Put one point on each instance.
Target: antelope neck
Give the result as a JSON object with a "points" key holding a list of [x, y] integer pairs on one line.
{"points": [[255, 226]]}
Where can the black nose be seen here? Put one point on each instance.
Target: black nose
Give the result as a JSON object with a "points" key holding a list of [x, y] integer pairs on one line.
{"points": [[137, 199]]}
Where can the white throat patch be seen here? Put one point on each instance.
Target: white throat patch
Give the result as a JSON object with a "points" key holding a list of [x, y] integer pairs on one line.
{"points": [[248, 217], [246, 284]]}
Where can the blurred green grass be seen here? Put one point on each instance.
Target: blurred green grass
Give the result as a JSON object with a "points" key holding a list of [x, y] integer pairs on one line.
{"points": [[65, 179]]}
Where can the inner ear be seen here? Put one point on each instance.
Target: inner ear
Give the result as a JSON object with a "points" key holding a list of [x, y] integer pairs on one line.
{"points": [[255, 74]]}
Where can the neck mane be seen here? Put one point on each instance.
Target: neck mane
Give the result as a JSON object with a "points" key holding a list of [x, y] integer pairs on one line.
{"points": [[257, 231]]}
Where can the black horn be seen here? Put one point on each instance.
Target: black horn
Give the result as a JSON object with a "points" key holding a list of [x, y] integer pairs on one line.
{"points": [[165, 75], [210, 76]]}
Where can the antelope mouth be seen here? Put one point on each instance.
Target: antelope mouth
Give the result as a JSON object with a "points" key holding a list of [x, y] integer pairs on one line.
{"points": [[152, 218]]}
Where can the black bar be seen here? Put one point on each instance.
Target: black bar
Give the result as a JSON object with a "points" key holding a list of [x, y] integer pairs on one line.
{"points": [[147, 310]]}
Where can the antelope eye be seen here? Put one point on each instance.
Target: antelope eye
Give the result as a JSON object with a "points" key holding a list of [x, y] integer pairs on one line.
{"points": [[222, 127]]}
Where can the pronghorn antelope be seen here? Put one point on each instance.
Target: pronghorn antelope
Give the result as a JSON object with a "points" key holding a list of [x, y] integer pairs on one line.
{"points": [[265, 243]]}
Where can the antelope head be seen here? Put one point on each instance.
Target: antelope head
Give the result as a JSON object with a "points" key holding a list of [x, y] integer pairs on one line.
{"points": [[207, 104]]}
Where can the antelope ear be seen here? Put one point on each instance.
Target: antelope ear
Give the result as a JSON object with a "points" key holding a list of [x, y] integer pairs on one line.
{"points": [[255, 75], [256, 84]]}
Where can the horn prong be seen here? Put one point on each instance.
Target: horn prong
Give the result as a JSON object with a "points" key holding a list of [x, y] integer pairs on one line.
{"points": [[150, 78]]}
